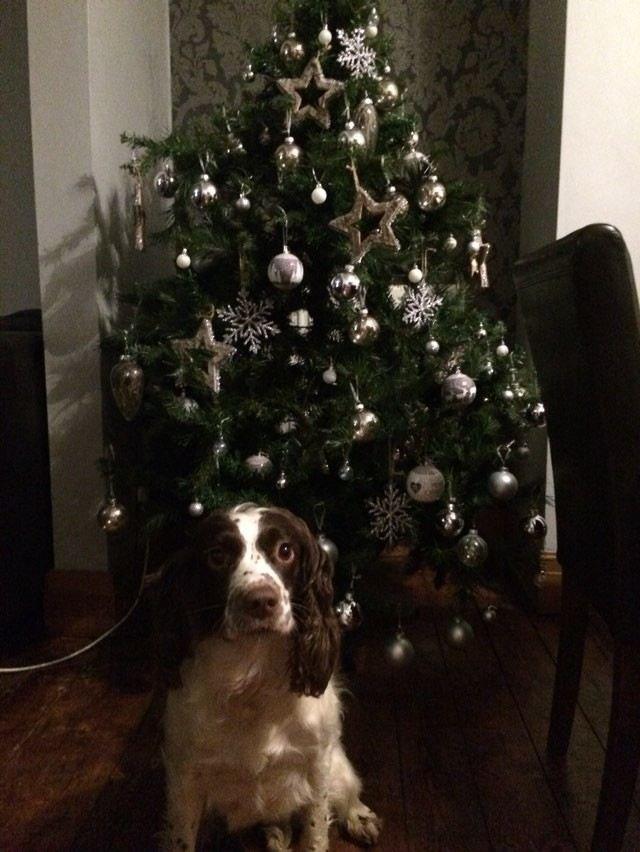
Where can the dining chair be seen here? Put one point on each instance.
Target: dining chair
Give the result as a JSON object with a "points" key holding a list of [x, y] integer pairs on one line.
{"points": [[579, 304]]}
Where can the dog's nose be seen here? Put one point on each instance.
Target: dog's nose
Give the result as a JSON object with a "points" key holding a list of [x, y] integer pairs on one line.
{"points": [[260, 601]]}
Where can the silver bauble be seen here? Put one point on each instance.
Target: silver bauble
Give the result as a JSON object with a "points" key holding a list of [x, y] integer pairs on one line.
{"points": [[475, 243], [325, 36], [535, 526], [413, 161], [366, 118], [203, 193], [292, 49], [166, 183], [490, 613], [259, 463], [349, 612], [481, 333], [523, 450], [415, 274], [345, 473], [388, 93], [345, 284], [127, 386], [450, 244], [196, 509], [458, 632], [352, 138], [502, 350], [449, 522], [458, 390], [432, 347], [220, 448], [288, 155], [364, 330], [183, 260], [319, 194], [329, 547], [365, 424], [282, 481], [329, 376], [431, 194], [472, 549], [242, 203], [502, 484], [535, 414], [399, 650], [302, 321], [112, 516], [285, 271], [425, 483], [508, 394]]}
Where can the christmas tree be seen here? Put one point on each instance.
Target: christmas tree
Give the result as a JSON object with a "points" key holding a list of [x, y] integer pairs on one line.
{"points": [[328, 341]]}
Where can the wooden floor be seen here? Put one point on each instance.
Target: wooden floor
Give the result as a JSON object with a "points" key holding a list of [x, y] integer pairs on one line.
{"points": [[451, 750]]}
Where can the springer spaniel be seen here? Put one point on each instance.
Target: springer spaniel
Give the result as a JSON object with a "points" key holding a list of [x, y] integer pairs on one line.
{"points": [[253, 718]]}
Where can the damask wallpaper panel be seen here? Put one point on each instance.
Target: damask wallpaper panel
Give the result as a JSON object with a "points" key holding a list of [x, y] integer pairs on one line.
{"points": [[464, 62]]}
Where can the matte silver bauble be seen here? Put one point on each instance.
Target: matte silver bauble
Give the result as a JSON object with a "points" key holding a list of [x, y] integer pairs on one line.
{"points": [[472, 549], [196, 509], [166, 183], [203, 193], [288, 155], [388, 93], [325, 37], [112, 516], [301, 321], [365, 424], [349, 612], [458, 390], [502, 350], [259, 463], [345, 284], [490, 613], [352, 138], [415, 274], [364, 330], [127, 386], [502, 484], [345, 472], [450, 244], [535, 526], [449, 521], [425, 483], [242, 203], [458, 632], [535, 414], [183, 260], [371, 31], [399, 650], [285, 271], [329, 376], [292, 49], [431, 194], [329, 547], [319, 194], [432, 347]]}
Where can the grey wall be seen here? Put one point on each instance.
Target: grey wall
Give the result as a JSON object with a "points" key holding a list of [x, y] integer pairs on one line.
{"points": [[465, 62], [18, 238]]}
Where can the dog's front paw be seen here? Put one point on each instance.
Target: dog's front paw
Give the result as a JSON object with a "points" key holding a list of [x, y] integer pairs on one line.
{"points": [[363, 825]]}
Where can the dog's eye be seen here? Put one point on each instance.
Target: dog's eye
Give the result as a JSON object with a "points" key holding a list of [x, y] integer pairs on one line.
{"points": [[285, 552]]}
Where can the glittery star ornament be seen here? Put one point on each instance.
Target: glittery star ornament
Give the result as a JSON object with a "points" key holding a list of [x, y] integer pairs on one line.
{"points": [[319, 111], [218, 351], [388, 210]]}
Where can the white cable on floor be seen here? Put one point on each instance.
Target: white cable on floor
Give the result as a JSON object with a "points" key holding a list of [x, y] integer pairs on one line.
{"points": [[36, 666]]}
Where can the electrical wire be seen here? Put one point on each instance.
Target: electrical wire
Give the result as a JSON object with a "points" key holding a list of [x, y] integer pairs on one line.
{"points": [[48, 663]]}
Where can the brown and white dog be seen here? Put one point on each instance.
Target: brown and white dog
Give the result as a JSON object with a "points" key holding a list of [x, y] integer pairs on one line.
{"points": [[253, 718]]}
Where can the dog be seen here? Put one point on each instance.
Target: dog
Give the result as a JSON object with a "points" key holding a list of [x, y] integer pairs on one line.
{"points": [[252, 726]]}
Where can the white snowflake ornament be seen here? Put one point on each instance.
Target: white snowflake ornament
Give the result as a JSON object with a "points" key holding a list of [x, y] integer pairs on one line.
{"points": [[356, 56], [421, 306], [249, 323], [389, 515]]}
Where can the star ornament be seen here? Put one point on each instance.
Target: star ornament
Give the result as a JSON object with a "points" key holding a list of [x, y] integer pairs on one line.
{"points": [[218, 351], [319, 111], [383, 235]]}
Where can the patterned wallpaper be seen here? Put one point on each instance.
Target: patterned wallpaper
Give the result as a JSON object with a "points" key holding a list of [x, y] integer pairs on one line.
{"points": [[465, 63]]}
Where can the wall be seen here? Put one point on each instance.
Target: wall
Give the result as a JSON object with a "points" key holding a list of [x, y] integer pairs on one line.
{"points": [[96, 67], [18, 237], [465, 64]]}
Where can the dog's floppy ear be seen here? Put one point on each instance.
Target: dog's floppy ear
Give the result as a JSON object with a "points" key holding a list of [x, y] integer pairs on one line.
{"points": [[317, 637]]}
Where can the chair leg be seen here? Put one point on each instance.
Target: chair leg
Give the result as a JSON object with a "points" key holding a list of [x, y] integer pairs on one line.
{"points": [[573, 627], [623, 751]]}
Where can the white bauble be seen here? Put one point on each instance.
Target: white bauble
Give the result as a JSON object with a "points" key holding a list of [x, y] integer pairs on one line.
{"points": [[425, 483], [319, 194], [183, 261]]}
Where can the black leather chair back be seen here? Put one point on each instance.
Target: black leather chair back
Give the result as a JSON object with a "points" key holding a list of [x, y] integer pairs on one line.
{"points": [[580, 309]]}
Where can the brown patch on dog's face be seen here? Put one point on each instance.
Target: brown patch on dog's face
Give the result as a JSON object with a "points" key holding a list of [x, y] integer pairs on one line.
{"points": [[284, 541]]}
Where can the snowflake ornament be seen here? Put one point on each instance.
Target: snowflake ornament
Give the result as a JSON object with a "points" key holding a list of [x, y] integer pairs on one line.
{"points": [[389, 514], [356, 56], [421, 306], [249, 323]]}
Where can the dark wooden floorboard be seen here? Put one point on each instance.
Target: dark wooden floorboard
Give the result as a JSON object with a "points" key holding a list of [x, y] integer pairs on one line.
{"points": [[451, 750]]}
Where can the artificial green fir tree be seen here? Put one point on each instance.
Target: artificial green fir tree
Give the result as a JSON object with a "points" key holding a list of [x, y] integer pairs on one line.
{"points": [[326, 342]]}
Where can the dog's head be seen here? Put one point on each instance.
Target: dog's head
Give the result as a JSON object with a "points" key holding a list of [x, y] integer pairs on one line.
{"points": [[253, 570]]}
